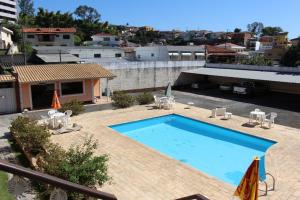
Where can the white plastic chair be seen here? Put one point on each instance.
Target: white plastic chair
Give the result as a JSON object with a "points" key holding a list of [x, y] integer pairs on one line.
{"points": [[51, 112], [213, 113], [271, 120], [157, 102], [67, 118]]}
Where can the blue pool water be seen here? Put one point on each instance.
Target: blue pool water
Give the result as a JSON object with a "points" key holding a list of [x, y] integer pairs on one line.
{"points": [[219, 152]]}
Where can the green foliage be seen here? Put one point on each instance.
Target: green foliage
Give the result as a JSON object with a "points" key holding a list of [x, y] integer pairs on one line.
{"points": [[45, 18], [292, 57], [87, 13], [145, 98], [26, 7], [74, 105], [237, 30], [16, 28], [122, 100], [255, 28], [5, 195], [32, 136], [257, 60], [77, 40], [271, 31], [144, 37], [78, 165], [26, 47]]}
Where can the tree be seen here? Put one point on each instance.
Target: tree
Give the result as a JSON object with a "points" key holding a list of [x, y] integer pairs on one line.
{"points": [[237, 30], [88, 14], [26, 15], [255, 28], [292, 57], [271, 31], [26, 7], [44, 18]]}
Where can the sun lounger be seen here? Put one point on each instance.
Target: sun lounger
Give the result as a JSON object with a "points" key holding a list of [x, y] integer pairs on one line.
{"points": [[62, 130]]}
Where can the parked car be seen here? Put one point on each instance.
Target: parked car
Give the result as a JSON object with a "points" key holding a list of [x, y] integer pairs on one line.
{"points": [[203, 85], [250, 88], [226, 87]]}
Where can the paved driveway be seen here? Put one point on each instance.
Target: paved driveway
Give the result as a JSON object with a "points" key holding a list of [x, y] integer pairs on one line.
{"points": [[287, 106]]}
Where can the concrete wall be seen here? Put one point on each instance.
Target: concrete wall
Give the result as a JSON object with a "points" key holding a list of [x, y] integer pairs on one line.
{"points": [[157, 53], [145, 75], [88, 53]]}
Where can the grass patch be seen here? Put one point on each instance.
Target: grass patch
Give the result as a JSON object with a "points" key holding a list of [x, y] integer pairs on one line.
{"points": [[5, 195]]}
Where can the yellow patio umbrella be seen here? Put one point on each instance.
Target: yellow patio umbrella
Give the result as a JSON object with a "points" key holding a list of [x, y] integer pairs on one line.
{"points": [[55, 101], [248, 187]]}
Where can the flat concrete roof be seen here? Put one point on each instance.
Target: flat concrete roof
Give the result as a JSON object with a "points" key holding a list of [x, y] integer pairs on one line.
{"points": [[285, 77]]}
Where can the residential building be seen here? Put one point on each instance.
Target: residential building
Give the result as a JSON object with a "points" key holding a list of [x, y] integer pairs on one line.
{"points": [[171, 35], [8, 10], [105, 39], [216, 54], [170, 53], [78, 54], [266, 42], [5, 38], [241, 38], [146, 28], [231, 46], [49, 36], [253, 44], [295, 41], [37, 83]]}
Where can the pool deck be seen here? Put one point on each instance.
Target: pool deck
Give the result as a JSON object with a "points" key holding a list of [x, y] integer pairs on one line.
{"points": [[140, 172]]}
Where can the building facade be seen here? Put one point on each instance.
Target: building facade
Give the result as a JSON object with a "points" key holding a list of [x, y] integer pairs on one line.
{"points": [[5, 38], [49, 36], [105, 39], [8, 10]]}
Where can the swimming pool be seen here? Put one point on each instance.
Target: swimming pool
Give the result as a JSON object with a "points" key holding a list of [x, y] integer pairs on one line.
{"points": [[219, 152]]}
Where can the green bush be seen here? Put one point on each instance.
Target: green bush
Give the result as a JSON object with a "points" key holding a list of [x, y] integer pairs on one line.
{"points": [[78, 165], [32, 136], [74, 105], [122, 100], [145, 98]]}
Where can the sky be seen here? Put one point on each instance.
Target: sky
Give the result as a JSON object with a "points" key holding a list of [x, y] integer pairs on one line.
{"points": [[214, 15]]}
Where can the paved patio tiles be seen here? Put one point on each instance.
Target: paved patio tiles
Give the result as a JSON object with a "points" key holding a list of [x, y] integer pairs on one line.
{"points": [[140, 172]]}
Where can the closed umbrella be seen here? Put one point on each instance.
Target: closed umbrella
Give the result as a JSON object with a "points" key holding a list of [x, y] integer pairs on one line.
{"points": [[168, 91], [248, 187], [55, 101]]}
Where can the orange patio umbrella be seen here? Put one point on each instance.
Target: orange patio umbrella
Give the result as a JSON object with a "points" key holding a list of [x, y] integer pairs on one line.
{"points": [[248, 188], [55, 101]]}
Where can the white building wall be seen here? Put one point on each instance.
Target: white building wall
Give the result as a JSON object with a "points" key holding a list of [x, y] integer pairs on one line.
{"points": [[158, 53], [58, 40], [5, 38], [90, 53]]}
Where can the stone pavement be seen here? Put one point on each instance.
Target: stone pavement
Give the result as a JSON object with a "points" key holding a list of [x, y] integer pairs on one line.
{"points": [[140, 172]]}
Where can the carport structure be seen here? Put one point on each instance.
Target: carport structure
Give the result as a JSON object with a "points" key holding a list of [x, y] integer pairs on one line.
{"points": [[279, 81]]}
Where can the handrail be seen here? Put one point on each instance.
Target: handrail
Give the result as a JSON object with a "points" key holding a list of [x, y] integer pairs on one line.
{"points": [[52, 180], [194, 197]]}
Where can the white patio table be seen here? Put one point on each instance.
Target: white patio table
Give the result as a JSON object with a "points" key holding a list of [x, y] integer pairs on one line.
{"points": [[54, 118], [259, 115]]}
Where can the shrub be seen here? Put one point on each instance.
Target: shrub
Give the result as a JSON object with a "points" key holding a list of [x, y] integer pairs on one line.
{"points": [[78, 165], [74, 105], [145, 98], [32, 136], [122, 100]]}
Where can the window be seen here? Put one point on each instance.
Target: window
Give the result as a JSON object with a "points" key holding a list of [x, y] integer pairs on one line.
{"points": [[69, 88], [30, 36], [56, 35], [118, 55], [66, 37], [77, 55], [6, 85], [97, 55], [106, 39], [152, 55]]}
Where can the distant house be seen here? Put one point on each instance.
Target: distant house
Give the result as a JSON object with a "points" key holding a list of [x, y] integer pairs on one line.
{"points": [[295, 41], [105, 39], [49, 36], [5, 38], [170, 53], [216, 54], [241, 38], [233, 47], [37, 83]]}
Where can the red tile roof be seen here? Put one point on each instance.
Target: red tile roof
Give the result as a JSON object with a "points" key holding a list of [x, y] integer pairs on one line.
{"points": [[214, 49], [49, 30]]}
